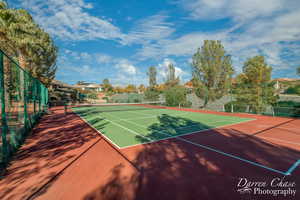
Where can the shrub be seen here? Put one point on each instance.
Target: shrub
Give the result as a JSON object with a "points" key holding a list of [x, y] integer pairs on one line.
{"points": [[237, 107], [176, 96], [287, 108], [106, 99], [127, 98], [293, 90], [92, 96], [151, 95]]}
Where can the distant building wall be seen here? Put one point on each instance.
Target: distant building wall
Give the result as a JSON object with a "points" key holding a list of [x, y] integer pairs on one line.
{"points": [[294, 98]]}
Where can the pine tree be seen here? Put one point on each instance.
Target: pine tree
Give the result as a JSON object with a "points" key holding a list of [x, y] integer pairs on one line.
{"points": [[21, 37], [152, 77], [212, 71], [254, 87], [172, 80], [106, 85]]}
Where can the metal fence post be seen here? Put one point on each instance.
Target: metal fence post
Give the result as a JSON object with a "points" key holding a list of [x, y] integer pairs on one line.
{"points": [[4, 132], [25, 97]]}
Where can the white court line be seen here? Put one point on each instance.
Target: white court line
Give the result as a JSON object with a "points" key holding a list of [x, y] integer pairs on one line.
{"points": [[201, 146], [190, 133], [174, 129], [153, 116], [103, 135], [188, 112], [221, 152], [174, 136], [132, 131], [155, 140]]}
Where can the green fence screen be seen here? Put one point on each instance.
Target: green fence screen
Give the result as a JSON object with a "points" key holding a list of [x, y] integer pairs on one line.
{"points": [[23, 99]]}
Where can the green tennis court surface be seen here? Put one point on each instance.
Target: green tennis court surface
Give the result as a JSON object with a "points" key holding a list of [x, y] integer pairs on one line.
{"points": [[131, 125]]}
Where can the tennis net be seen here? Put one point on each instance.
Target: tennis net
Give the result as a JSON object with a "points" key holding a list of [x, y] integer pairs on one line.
{"points": [[117, 107]]}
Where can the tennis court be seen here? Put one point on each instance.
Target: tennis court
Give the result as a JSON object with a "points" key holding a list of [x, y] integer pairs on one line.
{"points": [[133, 124]]}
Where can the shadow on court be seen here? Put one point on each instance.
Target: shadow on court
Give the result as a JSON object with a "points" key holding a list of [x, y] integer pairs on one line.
{"points": [[53, 144], [175, 169], [169, 169]]}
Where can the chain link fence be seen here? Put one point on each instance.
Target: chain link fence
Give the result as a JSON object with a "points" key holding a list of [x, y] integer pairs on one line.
{"points": [[285, 106], [23, 99]]}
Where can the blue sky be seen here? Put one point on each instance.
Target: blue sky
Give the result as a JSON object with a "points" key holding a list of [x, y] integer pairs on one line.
{"points": [[120, 39]]}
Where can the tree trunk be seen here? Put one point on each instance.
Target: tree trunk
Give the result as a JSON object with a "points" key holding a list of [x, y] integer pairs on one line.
{"points": [[22, 60]]}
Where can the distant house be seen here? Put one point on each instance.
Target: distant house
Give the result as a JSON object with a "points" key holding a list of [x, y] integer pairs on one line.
{"points": [[286, 79], [189, 86], [59, 85], [277, 85], [89, 86], [281, 84], [60, 91]]}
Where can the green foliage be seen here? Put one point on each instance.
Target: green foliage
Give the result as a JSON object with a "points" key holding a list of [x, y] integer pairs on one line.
{"points": [[151, 94], [298, 70], [107, 86], [287, 109], [127, 98], [82, 97], [176, 96], [21, 37], [293, 90], [130, 88], [172, 80], [152, 76], [254, 86], [106, 99], [74, 95], [3, 5], [237, 106], [142, 88], [212, 71], [92, 96], [171, 73]]}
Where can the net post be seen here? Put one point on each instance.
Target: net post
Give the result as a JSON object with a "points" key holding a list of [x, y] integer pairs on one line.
{"points": [[4, 131], [66, 107]]}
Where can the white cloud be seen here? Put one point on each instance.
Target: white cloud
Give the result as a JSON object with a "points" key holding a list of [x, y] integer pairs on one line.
{"points": [[235, 9], [150, 29], [103, 58], [68, 20], [162, 69], [84, 70], [126, 67], [185, 45], [85, 55], [123, 79], [100, 58], [257, 29]]}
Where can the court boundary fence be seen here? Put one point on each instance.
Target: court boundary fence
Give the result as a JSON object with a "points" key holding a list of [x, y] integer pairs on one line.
{"points": [[23, 99]]}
